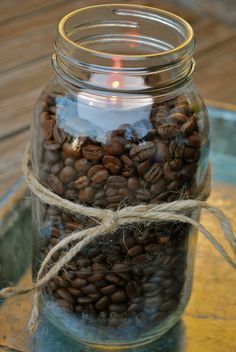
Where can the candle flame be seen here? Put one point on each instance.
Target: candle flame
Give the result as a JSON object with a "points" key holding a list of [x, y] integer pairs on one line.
{"points": [[115, 84]]}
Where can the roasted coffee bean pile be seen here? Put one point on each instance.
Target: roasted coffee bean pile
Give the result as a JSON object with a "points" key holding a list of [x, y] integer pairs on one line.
{"points": [[133, 277], [138, 273], [151, 161]]}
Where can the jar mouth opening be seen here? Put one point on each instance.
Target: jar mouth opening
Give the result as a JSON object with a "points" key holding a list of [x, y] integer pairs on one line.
{"points": [[129, 33]]}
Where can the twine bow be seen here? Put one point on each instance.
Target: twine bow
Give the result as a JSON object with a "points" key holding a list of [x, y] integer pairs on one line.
{"points": [[108, 222]]}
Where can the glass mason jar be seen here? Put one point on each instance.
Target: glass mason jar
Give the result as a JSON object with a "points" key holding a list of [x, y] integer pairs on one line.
{"points": [[121, 123]]}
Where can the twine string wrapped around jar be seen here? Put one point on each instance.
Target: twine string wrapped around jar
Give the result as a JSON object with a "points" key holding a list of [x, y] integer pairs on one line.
{"points": [[108, 222]]}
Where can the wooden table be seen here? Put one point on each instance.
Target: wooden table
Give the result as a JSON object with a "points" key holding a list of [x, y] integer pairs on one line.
{"points": [[27, 33]]}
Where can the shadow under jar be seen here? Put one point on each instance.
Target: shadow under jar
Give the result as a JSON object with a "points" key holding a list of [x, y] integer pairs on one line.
{"points": [[119, 124]]}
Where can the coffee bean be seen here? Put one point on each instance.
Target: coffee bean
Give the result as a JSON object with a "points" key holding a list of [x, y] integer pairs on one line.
{"points": [[89, 289], [98, 259], [148, 271], [181, 100], [64, 294], [118, 296], [84, 300], [169, 305], [71, 194], [117, 308], [176, 260], [127, 242], [71, 151], [100, 284], [143, 195], [59, 135], [92, 152], [188, 170], [54, 241], [172, 291], [168, 173], [69, 162], [167, 131], [55, 184], [56, 168], [98, 174], [52, 285], [126, 276], [152, 248], [133, 289], [113, 148], [176, 150], [194, 140], [128, 163], [167, 283], [179, 109], [86, 194], [107, 290], [100, 195], [177, 116], [133, 183], [55, 232], [188, 127], [99, 267], [157, 292], [113, 278], [153, 301], [134, 308], [119, 267], [67, 174], [189, 154], [143, 258], [110, 192], [82, 166], [135, 250], [116, 181], [112, 163], [75, 291], [154, 173], [162, 152], [102, 303], [149, 287], [82, 182], [143, 151], [64, 304], [175, 165], [158, 187], [48, 126], [78, 283], [95, 277], [95, 296], [143, 167]]}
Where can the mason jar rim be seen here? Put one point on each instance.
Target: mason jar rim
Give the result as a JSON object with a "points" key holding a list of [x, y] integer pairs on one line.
{"points": [[184, 23], [95, 42]]}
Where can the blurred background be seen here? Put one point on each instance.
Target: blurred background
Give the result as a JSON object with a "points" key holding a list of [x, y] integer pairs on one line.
{"points": [[27, 32]]}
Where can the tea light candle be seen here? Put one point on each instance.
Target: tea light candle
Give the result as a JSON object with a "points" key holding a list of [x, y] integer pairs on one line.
{"points": [[94, 114]]}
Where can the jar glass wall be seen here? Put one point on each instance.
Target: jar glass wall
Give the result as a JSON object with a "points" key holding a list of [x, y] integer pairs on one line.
{"points": [[113, 129]]}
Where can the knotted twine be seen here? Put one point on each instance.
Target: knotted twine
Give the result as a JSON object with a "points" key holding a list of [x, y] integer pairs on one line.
{"points": [[108, 222]]}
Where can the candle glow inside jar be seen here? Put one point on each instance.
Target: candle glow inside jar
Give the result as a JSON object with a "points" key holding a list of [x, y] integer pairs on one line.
{"points": [[120, 124]]}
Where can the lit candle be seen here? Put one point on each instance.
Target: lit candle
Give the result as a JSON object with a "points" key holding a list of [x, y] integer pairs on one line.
{"points": [[95, 114]]}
